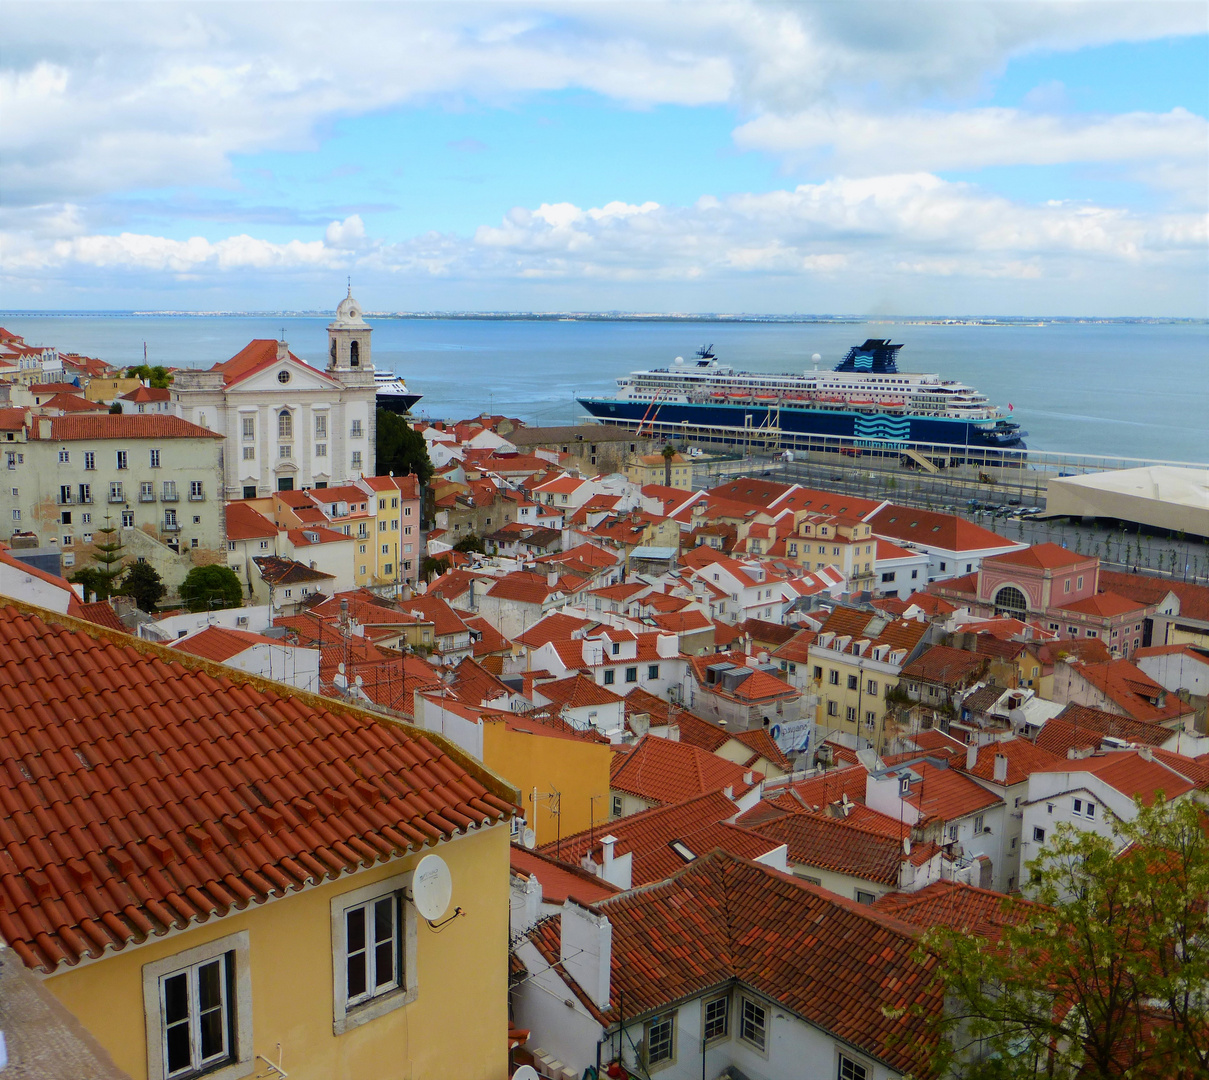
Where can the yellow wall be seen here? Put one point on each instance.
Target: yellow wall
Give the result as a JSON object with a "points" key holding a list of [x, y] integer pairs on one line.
{"points": [[576, 768], [861, 699], [456, 1027]]}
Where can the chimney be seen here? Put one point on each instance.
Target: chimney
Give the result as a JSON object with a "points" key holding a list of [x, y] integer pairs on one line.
{"points": [[1001, 768], [971, 757], [552, 579], [1145, 753], [283, 351], [586, 950], [344, 611]]}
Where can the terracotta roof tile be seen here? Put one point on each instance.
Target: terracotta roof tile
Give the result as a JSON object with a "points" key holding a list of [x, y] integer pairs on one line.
{"points": [[102, 613], [948, 531], [123, 426], [1041, 557], [958, 906], [1193, 598], [1023, 758], [147, 790], [945, 665], [1080, 727], [560, 881], [219, 643], [843, 967], [835, 844], [245, 523], [577, 691], [661, 771], [1133, 775]]}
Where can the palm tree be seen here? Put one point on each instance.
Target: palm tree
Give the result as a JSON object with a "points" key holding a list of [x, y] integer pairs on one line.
{"points": [[669, 452]]}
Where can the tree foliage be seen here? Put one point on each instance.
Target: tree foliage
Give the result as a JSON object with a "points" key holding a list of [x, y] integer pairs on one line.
{"points": [[143, 585], [432, 567], [1107, 977], [400, 448], [208, 587], [156, 376], [470, 543], [109, 564]]}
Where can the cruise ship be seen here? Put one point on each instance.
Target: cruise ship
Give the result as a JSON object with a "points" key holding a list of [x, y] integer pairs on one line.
{"points": [[392, 393], [866, 402]]}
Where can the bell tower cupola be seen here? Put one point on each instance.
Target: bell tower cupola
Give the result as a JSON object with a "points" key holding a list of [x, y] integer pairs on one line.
{"points": [[348, 338]]}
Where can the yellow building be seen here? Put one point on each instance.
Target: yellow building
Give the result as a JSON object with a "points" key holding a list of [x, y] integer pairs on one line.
{"points": [[845, 543], [655, 469], [854, 661], [562, 773], [245, 893]]}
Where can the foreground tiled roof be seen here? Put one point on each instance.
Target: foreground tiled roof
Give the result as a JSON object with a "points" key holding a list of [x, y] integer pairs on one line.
{"points": [[146, 791], [577, 691], [843, 967], [1023, 758], [1133, 691], [661, 771], [219, 643], [1133, 775]]}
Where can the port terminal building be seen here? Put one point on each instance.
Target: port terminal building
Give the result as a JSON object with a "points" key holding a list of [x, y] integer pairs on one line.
{"points": [[1161, 497]]}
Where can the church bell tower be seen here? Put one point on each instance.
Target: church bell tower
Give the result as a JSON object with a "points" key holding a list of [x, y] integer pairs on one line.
{"points": [[348, 339]]}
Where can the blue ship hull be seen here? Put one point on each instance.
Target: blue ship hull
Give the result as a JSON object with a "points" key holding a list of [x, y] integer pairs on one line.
{"points": [[875, 431]]}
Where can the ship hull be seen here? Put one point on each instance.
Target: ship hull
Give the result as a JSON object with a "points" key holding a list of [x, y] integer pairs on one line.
{"points": [[876, 432], [401, 404]]}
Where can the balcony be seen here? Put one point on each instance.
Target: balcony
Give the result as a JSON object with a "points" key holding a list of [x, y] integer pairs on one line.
{"points": [[169, 495], [197, 496], [66, 500], [170, 527], [116, 497], [146, 496]]}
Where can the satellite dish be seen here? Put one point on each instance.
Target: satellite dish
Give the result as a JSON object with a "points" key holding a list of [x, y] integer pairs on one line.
{"points": [[530, 838], [526, 1072], [431, 887], [340, 668]]}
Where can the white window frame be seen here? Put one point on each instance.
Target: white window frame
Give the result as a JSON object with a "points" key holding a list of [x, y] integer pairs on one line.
{"points": [[241, 1063], [762, 1046], [346, 1017], [845, 1055], [670, 1019], [724, 1034]]}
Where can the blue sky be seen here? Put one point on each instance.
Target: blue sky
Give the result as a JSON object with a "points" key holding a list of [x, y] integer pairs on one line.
{"points": [[922, 158]]}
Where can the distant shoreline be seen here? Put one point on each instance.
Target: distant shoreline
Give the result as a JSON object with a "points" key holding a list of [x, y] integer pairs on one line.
{"points": [[613, 316]]}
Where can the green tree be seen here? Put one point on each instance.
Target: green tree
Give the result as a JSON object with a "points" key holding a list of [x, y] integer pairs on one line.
{"points": [[143, 585], [1108, 976], [116, 408], [213, 586], [431, 567], [668, 453], [400, 448], [157, 376], [109, 564], [469, 543]]}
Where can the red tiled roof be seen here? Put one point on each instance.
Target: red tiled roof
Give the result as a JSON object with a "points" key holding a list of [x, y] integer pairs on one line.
{"points": [[1080, 727], [577, 691], [1133, 775], [557, 626], [446, 622], [123, 426], [698, 823], [454, 583], [1193, 598], [258, 354], [1133, 691], [73, 403], [147, 791], [1041, 557], [1106, 605], [245, 523], [842, 967], [144, 394], [835, 844], [490, 640], [661, 771], [944, 794], [279, 571], [527, 588], [12, 419], [103, 614], [560, 881], [797, 649], [945, 665], [475, 685], [958, 906], [218, 643], [1023, 758], [948, 531]]}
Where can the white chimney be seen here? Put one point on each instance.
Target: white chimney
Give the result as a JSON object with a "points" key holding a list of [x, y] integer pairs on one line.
{"points": [[971, 757], [552, 579], [283, 351], [586, 950], [1001, 768]]}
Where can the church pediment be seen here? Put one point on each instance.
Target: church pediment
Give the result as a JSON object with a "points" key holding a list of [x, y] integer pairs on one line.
{"points": [[283, 378]]}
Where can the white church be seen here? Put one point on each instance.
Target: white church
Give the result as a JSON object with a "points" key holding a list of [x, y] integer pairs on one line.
{"points": [[288, 425]]}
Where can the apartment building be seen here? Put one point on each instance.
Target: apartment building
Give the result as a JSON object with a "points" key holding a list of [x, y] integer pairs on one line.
{"points": [[158, 479]]}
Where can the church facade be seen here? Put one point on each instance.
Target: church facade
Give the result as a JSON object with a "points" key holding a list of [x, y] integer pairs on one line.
{"points": [[287, 425]]}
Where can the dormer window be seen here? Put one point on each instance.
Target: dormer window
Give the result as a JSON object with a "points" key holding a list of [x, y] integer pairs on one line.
{"points": [[904, 786]]}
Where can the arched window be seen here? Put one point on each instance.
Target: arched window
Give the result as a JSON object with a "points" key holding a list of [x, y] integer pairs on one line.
{"points": [[285, 424], [354, 354], [1011, 601]]}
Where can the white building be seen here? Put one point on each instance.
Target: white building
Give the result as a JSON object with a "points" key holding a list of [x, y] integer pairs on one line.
{"points": [[288, 425]]}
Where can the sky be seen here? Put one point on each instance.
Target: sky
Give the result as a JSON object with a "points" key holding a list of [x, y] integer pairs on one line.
{"points": [[895, 157]]}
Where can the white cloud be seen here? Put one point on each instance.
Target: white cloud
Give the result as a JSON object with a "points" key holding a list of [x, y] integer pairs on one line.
{"points": [[100, 98], [348, 234], [861, 143]]}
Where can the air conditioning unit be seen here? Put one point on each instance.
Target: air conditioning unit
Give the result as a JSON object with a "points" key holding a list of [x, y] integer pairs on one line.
{"points": [[241, 620]]}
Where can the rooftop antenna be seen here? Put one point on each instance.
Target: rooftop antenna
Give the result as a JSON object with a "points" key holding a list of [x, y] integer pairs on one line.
{"points": [[350, 286]]}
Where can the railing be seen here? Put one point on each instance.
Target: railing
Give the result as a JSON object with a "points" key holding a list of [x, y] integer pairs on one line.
{"points": [[116, 497], [66, 500], [169, 495], [146, 496], [170, 526], [197, 496]]}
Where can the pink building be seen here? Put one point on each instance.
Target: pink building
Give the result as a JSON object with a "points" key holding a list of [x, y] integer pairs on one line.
{"points": [[1060, 589]]}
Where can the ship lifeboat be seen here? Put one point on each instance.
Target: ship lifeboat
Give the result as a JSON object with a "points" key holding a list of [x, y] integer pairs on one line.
{"points": [[766, 397], [893, 404]]}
